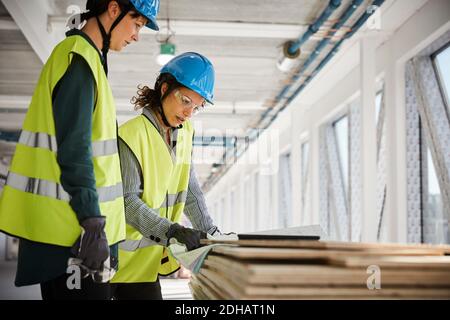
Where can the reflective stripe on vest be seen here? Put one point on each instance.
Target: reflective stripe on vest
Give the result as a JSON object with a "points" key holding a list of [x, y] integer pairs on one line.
{"points": [[38, 140], [46, 141], [55, 190], [133, 245], [173, 199], [37, 186]]}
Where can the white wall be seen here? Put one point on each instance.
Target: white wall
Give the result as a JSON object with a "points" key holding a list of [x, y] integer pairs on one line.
{"points": [[406, 28]]}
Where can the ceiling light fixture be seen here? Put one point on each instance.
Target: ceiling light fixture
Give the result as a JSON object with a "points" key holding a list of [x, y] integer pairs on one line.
{"points": [[166, 48], [288, 58], [215, 167], [166, 53]]}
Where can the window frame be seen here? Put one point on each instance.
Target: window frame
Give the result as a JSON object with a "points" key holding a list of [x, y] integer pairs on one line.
{"points": [[444, 93], [345, 175]]}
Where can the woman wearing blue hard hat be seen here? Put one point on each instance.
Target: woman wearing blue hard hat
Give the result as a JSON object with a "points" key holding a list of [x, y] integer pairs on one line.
{"points": [[63, 197], [158, 178]]}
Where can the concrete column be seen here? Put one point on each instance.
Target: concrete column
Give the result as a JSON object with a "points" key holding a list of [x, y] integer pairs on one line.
{"points": [[368, 141], [396, 198]]}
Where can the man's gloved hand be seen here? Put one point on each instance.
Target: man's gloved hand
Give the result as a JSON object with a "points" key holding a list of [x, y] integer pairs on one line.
{"points": [[187, 236], [92, 246]]}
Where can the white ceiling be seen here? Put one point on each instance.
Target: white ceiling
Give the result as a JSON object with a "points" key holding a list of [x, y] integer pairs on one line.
{"points": [[243, 39]]}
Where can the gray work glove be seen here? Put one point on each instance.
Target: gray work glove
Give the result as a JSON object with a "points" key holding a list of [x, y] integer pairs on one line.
{"points": [[92, 246], [187, 236]]}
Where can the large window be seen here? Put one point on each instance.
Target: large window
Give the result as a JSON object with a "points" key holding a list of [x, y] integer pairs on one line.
{"points": [[304, 179], [224, 213], [255, 197], [284, 190], [266, 211], [233, 210], [334, 185], [342, 137], [305, 158], [435, 221], [247, 205], [340, 173], [381, 163], [378, 100], [442, 64], [428, 133], [216, 215]]}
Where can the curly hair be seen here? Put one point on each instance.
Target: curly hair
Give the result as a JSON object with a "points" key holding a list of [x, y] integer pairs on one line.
{"points": [[152, 98]]}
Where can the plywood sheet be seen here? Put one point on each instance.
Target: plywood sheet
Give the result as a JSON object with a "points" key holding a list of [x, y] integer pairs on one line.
{"points": [[253, 253], [394, 262], [335, 245], [197, 290], [234, 289], [301, 274], [212, 287], [302, 269]]}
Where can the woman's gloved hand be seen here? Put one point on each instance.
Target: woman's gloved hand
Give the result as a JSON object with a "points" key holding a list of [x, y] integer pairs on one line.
{"points": [[92, 246], [187, 236]]}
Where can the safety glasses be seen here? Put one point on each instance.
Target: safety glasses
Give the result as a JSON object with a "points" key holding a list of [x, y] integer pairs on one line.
{"points": [[187, 103]]}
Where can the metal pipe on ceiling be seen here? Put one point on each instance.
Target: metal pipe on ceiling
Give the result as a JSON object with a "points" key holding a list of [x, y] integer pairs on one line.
{"points": [[315, 53], [254, 133], [358, 24], [313, 28]]}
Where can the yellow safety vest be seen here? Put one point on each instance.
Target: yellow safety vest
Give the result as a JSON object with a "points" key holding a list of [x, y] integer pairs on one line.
{"points": [[34, 205], [165, 189]]}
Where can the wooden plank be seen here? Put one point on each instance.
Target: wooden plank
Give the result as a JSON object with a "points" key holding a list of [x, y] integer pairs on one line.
{"points": [[197, 290], [269, 253], [237, 290], [203, 290], [229, 288], [253, 253], [265, 273], [334, 245], [394, 262], [212, 289], [299, 269]]}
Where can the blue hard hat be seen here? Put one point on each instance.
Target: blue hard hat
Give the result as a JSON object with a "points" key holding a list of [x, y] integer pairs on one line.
{"points": [[149, 9], [193, 71]]}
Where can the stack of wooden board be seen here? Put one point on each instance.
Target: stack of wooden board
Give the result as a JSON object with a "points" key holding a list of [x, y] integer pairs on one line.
{"points": [[298, 269]]}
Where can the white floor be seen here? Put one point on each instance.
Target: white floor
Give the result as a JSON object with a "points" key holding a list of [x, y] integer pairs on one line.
{"points": [[175, 289], [10, 292], [172, 289]]}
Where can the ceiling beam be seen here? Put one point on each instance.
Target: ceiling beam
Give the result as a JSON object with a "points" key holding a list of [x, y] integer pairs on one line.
{"points": [[215, 29], [232, 29], [31, 18], [18, 103], [7, 23]]}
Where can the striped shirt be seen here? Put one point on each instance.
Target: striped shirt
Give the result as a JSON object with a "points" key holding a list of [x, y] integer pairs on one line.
{"points": [[147, 220]]}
